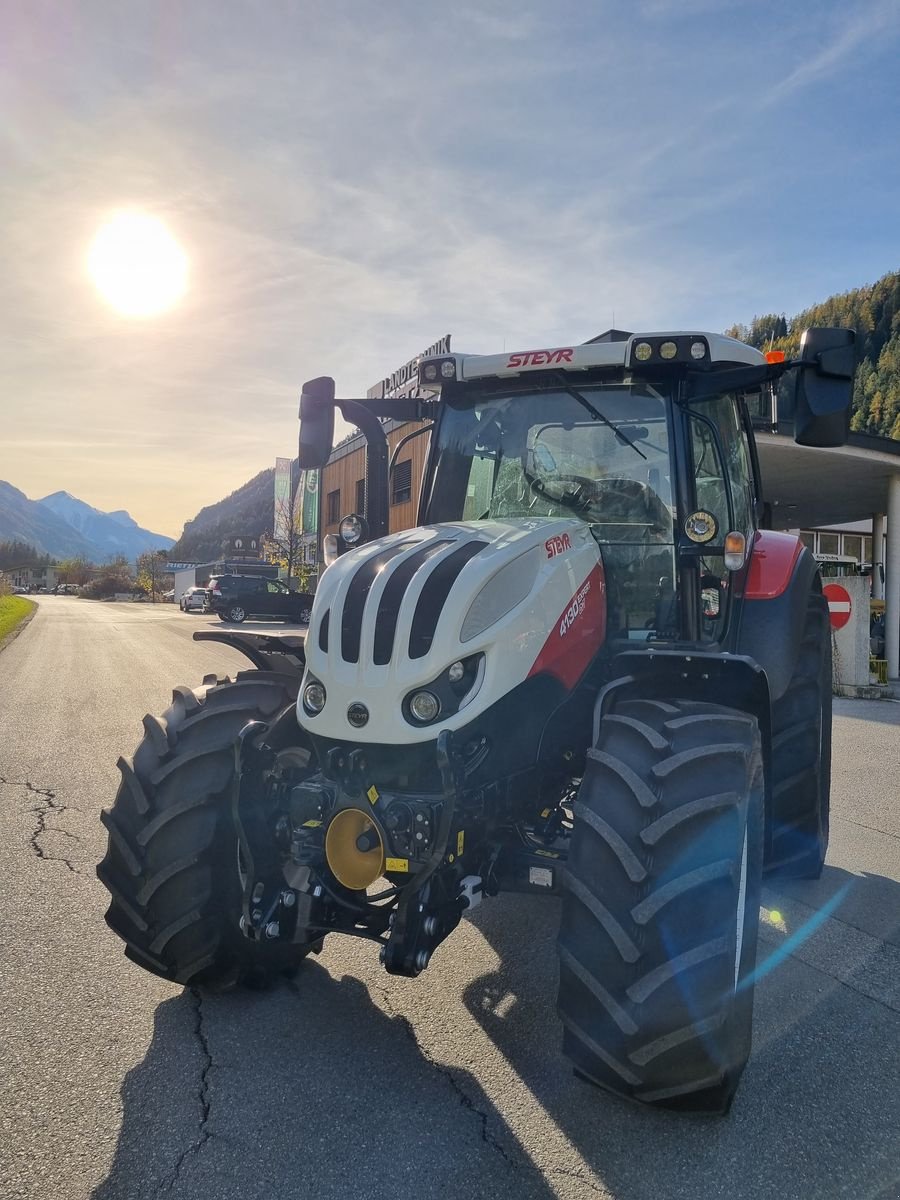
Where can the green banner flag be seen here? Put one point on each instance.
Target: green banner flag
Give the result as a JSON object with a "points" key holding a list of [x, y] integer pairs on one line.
{"points": [[309, 487]]}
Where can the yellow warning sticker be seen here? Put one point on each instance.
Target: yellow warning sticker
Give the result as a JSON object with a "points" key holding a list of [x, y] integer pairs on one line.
{"points": [[372, 793], [547, 853], [396, 864], [460, 842], [311, 824], [545, 813]]}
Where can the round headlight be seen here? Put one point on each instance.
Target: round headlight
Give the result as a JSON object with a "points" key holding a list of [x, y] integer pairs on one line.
{"points": [[698, 350], [424, 706], [431, 371], [314, 698], [455, 672], [668, 350], [642, 351], [448, 368], [352, 529]]}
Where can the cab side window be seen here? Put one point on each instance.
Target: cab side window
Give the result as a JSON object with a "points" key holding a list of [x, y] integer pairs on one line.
{"points": [[716, 475]]}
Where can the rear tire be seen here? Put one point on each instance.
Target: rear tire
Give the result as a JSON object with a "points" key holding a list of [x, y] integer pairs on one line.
{"points": [[236, 613], [797, 838], [661, 904], [171, 865]]}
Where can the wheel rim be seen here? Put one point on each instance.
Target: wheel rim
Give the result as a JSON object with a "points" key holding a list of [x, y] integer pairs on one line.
{"points": [[236, 613]]}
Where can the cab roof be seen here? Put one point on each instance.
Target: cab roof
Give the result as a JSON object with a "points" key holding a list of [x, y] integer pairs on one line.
{"points": [[624, 350]]}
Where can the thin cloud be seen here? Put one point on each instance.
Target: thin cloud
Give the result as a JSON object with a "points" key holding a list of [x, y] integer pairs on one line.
{"points": [[343, 202], [864, 25]]}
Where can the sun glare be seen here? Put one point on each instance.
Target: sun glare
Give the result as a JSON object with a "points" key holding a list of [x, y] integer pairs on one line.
{"points": [[137, 265]]}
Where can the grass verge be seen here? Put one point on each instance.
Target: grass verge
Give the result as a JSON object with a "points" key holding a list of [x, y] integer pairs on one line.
{"points": [[13, 611]]}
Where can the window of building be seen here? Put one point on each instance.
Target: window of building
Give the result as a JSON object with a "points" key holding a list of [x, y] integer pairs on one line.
{"points": [[808, 540], [360, 497], [867, 550], [829, 543], [333, 506], [852, 546], [401, 484]]}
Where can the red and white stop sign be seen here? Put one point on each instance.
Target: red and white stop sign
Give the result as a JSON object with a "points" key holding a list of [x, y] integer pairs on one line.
{"points": [[839, 606]]}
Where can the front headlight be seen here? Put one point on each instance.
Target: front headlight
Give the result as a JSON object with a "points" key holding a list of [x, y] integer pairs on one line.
{"points": [[424, 706], [446, 695], [314, 697]]}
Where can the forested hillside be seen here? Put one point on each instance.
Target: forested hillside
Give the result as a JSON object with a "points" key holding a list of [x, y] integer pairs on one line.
{"points": [[874, 312], [249, 511]]}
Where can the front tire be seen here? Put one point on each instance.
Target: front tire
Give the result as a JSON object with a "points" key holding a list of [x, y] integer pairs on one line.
{"points": [[171, 865], [659, 925]]}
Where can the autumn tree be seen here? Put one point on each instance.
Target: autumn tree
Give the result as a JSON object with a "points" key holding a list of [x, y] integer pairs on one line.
{"points": [[151, 569]]}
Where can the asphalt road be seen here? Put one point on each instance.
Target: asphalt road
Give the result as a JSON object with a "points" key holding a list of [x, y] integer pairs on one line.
{"points": [[349, 1083]]}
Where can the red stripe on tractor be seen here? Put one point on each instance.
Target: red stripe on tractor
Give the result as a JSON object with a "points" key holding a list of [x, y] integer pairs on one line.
{"points": [[578, 633]]}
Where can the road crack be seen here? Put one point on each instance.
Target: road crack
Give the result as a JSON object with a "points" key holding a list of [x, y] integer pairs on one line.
{"points": [[46, 807], [204, 1134], [580, 1178], [512, 1161], [862, 825]]}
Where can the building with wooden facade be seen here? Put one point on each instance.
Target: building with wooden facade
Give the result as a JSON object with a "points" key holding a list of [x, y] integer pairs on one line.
{"points": [[343, 484]]}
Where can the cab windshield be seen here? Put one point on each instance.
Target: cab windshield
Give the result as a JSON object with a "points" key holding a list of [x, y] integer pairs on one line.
{"points": [[598, 453]]}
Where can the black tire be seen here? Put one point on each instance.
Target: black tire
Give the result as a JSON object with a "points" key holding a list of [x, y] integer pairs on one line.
{"points": [[305, 615], [659, 924], [236, 613], [171, 865], [797, 837]]}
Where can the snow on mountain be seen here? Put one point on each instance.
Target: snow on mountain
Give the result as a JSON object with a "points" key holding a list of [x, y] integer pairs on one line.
{"points": [[24, 520], [111, 533], [65, 527]]}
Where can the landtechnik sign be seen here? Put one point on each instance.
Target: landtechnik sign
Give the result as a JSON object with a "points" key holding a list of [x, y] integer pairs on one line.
{"points": [[405, 380]]}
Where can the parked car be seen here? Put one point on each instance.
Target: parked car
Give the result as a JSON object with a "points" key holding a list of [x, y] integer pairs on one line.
{"points": [[236, 597], [194, 599], [168, 597]]}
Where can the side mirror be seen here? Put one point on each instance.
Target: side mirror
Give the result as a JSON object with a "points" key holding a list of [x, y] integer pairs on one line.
{"points": [[824, 387], [316, 422]]}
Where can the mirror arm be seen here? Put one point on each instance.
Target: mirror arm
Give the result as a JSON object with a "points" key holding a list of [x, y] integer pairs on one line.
{"points": [[407, 408], [370, 426]]}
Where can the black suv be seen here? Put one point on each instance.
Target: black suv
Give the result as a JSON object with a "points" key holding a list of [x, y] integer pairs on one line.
{"points": [[236, 597]]}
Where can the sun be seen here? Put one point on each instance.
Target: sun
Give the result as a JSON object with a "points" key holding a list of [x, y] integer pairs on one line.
{"points": [[137, 266]]}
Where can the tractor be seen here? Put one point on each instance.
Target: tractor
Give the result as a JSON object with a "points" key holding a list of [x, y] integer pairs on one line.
{"points": [[591, 672]]}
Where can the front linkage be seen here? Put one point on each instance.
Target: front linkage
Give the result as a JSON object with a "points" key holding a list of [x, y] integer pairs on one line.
{"points": [[312, 844]]}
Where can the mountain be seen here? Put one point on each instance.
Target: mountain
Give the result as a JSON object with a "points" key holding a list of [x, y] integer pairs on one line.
{"points": [[24, 520], [874, 312], [63, 526], [249, 511], [109, 533]]}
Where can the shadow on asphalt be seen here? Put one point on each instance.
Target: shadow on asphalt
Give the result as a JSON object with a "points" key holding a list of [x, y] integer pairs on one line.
{"points": [[325, 1096], [883, 712], [312, 1090], [817, 1113]]}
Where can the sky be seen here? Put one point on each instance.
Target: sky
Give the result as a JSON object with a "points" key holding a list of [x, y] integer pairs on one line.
{"points": [[350, 181]]}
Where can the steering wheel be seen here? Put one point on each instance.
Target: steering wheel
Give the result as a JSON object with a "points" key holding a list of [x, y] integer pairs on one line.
{"points": [[579, 495], [626, 497]]}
